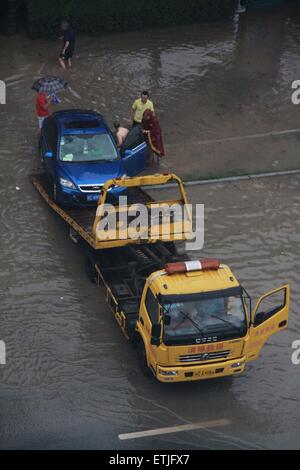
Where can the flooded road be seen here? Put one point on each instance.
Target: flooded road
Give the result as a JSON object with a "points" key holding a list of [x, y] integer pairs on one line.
{"points": [[71, 380]]}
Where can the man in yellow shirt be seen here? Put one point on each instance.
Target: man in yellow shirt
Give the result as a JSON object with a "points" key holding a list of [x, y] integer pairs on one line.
{"points": [[139, 106]]}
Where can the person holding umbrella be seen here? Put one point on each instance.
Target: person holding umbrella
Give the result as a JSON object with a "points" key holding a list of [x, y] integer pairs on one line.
{"points": [[42, 107], [46, 87]]}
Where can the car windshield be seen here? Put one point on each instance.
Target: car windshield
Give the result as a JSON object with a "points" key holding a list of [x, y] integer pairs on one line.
{"points": [[221, 317], [87, 148]]}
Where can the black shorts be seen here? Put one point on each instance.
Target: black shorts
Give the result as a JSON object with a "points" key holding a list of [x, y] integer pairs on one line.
{"points": [[68, 54]]}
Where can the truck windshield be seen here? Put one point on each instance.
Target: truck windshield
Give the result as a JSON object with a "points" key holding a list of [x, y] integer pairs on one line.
{"points": [[207, 319], [86, 148]]}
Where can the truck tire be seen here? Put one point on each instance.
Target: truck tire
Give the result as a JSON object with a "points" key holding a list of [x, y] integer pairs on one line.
{"points": [[90, 270], [142, 360]]}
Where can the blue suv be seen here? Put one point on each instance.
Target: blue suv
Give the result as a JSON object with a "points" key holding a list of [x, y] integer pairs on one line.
{"points": [[79, 154]]}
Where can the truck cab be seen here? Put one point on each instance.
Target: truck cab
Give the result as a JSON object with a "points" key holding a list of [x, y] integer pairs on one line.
{"points": [[196, 322]]}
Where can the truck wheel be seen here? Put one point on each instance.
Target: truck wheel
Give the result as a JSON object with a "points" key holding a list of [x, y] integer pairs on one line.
{"points": [[90, 270], [142, 360]]}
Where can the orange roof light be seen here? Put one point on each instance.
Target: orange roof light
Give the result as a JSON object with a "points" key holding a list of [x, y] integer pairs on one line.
{"points": [[206, 264]]}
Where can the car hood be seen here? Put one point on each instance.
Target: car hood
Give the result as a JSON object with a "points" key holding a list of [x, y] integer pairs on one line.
{"points": [[92, 173]]}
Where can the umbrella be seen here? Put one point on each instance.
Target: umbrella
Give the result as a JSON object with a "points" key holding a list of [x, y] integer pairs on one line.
{"points": [[49, 85]]}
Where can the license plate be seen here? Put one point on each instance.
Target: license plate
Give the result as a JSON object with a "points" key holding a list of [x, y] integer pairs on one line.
{"points": [[203, 373], [92, 197]]}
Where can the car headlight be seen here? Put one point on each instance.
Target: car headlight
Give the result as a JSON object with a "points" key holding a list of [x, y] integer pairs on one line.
{"points": [[67, 183]]}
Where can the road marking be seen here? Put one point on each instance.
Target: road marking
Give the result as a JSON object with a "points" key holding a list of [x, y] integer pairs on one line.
{"points": [[173, 429], [16, 82], [14, 77], [235, 138]]}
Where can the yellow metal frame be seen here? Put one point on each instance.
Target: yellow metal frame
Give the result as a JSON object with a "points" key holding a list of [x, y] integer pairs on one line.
{"points": [[137, 181]]}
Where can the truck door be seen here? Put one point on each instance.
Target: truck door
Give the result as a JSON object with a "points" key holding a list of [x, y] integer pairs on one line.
{"points": [[150, 315], [269, 316]]}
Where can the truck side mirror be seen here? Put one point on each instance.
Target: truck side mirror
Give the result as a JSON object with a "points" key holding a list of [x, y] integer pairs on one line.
{"points": [[167, 320], [155, 334], [48, 154]]}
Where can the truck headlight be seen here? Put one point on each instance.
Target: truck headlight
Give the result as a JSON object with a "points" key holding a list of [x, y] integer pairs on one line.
{"points": [[67, 183], [236, 365], [167, 372]]}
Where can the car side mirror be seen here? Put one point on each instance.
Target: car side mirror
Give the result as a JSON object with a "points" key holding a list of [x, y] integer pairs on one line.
{"points": [[155, 334], [48, 154]]}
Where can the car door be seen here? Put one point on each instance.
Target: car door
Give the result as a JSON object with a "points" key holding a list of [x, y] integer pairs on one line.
{"points": [[49, 144], [269, 316], [135, 159], [134, 152]]}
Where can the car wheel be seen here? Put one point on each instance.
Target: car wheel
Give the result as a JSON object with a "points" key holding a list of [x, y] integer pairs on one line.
{"points": [[142, 360]]}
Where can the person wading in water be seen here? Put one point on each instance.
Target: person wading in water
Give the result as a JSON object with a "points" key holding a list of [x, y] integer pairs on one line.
{"points": [[68, 37], [139, 106]]}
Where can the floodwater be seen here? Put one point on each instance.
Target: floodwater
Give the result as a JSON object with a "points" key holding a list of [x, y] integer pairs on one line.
{"points": [[71, 380]]}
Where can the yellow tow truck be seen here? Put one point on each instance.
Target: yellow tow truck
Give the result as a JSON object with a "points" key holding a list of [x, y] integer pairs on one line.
{"points": [[189, 320]]}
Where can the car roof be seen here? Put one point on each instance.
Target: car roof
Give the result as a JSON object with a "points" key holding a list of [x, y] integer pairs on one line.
{"points": [[69, 120]]}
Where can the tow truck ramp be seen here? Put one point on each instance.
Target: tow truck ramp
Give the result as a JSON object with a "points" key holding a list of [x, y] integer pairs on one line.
{"points": [[88, 221]]}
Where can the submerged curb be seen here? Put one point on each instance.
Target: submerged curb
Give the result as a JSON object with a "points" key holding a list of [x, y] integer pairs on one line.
{"points": [[233, 178]]}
